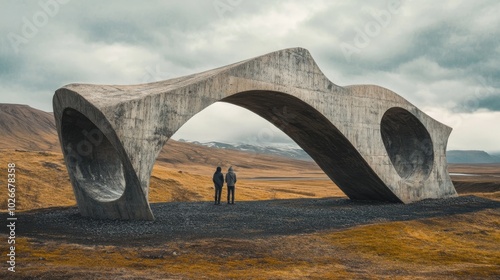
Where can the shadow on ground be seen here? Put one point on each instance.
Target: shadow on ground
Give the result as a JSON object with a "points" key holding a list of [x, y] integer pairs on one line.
{"points": [[245, 219]]}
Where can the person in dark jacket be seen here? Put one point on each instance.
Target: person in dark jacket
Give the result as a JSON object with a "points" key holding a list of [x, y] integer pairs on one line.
{"points": [[218, 179], [230, 181]]}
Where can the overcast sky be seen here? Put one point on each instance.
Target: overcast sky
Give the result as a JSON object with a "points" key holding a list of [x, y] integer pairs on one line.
{"points": [[443, 56]]}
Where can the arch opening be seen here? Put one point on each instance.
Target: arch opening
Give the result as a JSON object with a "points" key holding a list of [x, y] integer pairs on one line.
{"points": [[94, 163], [318, 137], [408, 143]]}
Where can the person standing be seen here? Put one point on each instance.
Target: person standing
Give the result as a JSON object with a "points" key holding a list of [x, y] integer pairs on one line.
{"points": [[218, 179], [230, 181]]}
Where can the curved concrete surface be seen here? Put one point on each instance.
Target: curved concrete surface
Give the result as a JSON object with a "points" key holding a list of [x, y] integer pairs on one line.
{"points": [[370, 141]]}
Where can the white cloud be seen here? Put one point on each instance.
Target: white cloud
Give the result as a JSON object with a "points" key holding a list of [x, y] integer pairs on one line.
{"points": [[471, 131], [222, 121], [478, 131]]}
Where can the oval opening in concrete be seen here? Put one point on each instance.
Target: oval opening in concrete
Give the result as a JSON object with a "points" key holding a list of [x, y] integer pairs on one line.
{"points": [[408, 144], [95, 164]]}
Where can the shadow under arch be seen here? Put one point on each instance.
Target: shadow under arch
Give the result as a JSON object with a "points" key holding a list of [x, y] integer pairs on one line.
{"points": [[318, 137]]}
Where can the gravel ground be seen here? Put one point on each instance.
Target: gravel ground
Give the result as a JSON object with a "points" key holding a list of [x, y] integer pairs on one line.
{"points": [[247, 219]]}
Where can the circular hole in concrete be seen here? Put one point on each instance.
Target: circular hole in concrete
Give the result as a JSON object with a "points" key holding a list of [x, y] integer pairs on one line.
{"points": [[92, 160], [408, 143]]}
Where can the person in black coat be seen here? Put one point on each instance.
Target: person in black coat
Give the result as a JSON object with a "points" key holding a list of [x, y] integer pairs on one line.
{"points": [[230, 182], [218, 179]]}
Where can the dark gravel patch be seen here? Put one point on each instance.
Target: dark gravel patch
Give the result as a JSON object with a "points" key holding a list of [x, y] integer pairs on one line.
{"points": [[248, 219]]}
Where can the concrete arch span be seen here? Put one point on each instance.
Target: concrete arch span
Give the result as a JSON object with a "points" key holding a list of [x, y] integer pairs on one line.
{"points": [[314, 133], [368, 140]]}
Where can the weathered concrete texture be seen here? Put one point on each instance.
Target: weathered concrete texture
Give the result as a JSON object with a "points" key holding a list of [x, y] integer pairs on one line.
{"points": [[370, 141]]}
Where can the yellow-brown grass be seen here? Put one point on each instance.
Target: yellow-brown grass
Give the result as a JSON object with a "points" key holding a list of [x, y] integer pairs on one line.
{"points": [[42, 181], [483, 179], [168, 184], [456, 246], [461, 245]]}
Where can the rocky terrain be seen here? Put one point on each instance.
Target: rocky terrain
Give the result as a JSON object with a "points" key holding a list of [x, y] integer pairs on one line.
{"points": [[245, 219]]}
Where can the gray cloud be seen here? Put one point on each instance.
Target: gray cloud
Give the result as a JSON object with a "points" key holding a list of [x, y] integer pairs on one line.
{"points": [[442, 56], [491, 103]]}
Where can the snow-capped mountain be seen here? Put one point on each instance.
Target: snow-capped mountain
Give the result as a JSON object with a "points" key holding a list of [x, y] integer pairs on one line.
{"points": [[284, 150], [295, 152]]}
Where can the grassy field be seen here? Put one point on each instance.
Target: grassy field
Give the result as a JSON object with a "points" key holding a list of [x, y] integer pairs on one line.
{"points": [[461, 246], [42, 181], [457, 246]]}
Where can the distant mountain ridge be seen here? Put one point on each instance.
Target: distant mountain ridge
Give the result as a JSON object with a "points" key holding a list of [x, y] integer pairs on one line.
{"points": [[288, 151], [471, 156], [26, 128], [453, 156]]}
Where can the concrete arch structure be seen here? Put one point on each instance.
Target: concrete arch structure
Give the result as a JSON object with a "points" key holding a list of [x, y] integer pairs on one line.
{"points": [[370, 141]]}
